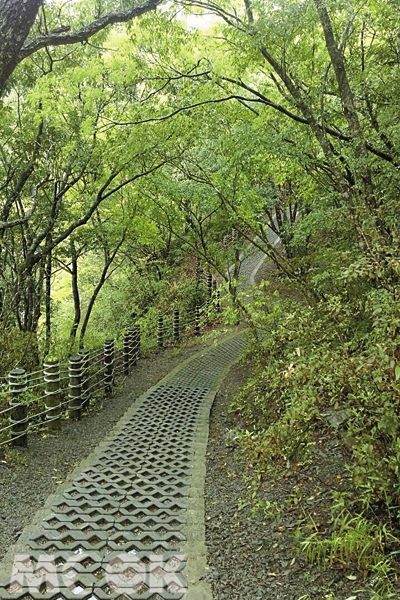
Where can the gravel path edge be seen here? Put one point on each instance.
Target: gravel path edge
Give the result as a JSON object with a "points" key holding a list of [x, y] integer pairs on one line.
{"points": [[195, 531]]}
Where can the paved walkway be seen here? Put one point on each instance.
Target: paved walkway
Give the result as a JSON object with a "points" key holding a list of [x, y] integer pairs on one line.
{"points": [[251, 260], [129, 522]]}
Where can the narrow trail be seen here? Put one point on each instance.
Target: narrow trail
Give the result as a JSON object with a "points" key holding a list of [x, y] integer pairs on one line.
{"points": [[129, 521]]}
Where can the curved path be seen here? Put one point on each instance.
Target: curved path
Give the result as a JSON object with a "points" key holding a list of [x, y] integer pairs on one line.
{"points": [[251, 260], [129, 521]]}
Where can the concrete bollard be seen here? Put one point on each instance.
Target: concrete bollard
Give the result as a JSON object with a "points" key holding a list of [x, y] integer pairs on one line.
{"points": [[127, 345], [85, 378], [109, 366], [75, 386], [160, 333], [197, 320], [17, 385], [51, 372], [176, 325]]}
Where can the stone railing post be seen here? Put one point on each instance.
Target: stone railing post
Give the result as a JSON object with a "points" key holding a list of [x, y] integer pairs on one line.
{"points": [[75, 386], [51, 373], [197, 320], [17, 384], [127, 344], [160, 332], [85, 381], [135, 343], [176, 325], [136, 329], [209, 284], [109, 365], [218, 301]]}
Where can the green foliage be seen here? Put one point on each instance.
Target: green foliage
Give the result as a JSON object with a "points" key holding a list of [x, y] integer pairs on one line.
{"points": [[152, 141], [17, 348], [325, 358], [354, 540], [357, 542], [14, 457], [332, 367]]}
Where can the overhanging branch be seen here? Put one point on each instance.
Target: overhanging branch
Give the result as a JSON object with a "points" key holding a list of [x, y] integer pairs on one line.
{"points": [[9, 224], [63, 38]]}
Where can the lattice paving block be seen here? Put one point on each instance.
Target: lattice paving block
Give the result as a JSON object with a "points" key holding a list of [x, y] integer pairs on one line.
{"points": [[147, 538], [90, 507], [56, 521], [55, 594], [132, 526], [102, 481], [149, 515], [153, 506]]}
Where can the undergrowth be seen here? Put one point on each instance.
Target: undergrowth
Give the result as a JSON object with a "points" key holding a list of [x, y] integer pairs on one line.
{"points": [[332, 368]]}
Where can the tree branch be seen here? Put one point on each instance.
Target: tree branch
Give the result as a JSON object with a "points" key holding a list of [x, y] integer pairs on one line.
{"points": [[333, 132], [62, 38], [8, 224], [181, 109]]}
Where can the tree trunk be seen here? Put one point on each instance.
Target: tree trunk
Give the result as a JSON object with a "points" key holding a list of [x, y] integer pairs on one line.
{"points": [[16, 20], [108, 260], [75, 295], [18, 16], [48, 304], [91, 305], [348, 104]]}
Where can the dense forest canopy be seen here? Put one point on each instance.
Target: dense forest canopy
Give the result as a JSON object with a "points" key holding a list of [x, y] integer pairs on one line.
{"points": [[124, 122], [135, 135]]}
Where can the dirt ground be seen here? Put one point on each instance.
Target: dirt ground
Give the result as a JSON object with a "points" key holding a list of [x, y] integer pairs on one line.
{"points": [[257, 556]]}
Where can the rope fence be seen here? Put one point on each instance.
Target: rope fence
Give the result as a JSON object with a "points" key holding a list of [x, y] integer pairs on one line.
{"points": [[41, 399]]}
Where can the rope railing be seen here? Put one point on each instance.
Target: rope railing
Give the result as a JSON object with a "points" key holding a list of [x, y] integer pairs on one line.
{"points": [[44, 397]]}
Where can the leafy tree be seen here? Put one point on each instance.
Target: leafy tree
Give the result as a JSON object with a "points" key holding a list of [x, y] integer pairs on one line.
{"points": [[56, 26]]}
